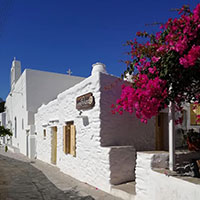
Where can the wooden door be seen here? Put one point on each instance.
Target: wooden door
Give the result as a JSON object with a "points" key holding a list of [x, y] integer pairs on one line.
{"points": [[73, 140], [160, 131], [53, 145]]}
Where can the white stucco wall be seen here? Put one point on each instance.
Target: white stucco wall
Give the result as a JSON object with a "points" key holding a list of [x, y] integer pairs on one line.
{"points": [[42, 120], [91, 163], [16, 108], [43, 86], [152, 185]]}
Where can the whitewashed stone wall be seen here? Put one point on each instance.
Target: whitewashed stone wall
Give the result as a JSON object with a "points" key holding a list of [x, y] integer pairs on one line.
{"points": [[151, 185], [126, 129], [105, 143], [44, 120], [91, 163]]}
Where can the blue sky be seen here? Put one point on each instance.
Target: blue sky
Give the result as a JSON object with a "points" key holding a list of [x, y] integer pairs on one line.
{"points": [[55, 35]]}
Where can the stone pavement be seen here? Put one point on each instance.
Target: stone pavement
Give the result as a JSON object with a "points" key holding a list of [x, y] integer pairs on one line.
{"points": [[23, 179]]}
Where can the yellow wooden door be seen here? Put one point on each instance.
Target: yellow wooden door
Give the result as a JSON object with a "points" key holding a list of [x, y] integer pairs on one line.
{"points": [[73, 140], [53, 145]]}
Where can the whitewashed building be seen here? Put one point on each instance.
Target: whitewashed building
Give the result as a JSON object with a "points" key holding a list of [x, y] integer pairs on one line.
{"points": [[29, 90], [67, 121], [78, 133]]}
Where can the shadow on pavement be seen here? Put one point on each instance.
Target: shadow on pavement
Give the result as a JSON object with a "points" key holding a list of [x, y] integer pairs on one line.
{"points": [[21, 181]]}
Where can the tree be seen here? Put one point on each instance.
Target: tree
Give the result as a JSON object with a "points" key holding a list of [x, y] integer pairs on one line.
{"points": [[2, 106], [165, 68], [5, 132]]}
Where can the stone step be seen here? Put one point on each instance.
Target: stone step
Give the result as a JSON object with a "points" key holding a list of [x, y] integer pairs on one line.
{"points": [[125, 191]]}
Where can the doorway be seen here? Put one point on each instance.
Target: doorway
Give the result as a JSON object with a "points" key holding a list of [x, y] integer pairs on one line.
{"points": [[54, 145], [161, 131]]}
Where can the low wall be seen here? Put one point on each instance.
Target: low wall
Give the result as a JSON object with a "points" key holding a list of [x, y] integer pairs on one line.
{"points": [[122, 164], [152, 185]]}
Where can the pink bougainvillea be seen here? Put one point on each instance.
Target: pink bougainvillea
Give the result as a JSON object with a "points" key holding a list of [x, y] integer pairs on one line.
{"points": [[190, 59], [165, 69]]}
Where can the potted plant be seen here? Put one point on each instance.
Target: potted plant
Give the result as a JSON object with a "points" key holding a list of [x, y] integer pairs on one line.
{"points": [[193, 140]]}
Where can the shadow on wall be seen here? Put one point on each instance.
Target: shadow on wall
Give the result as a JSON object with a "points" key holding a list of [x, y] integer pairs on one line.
{"points": [[122, 130], [122, 164]]}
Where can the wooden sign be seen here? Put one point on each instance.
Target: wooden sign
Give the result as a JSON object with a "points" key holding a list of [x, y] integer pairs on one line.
{"points": [[85, 101]]}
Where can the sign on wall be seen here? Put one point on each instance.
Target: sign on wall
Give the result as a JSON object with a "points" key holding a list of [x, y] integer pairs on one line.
{"points": [[85, 101]]}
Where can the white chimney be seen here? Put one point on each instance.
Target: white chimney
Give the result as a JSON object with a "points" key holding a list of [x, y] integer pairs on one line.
{"points": [[98, 67]]}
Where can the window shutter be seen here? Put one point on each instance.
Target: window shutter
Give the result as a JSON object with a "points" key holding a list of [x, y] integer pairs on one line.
{"points": [[73, 140], [67, 139]]}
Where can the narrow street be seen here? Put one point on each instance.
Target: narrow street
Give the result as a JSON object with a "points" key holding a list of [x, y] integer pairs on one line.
{"points": [[21, 179]]}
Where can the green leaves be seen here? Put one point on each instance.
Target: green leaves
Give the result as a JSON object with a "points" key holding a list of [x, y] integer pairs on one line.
{"points": [[4, 132], [2, 106]]}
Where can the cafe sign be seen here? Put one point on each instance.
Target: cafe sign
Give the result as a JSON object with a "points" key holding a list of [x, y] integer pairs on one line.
{"points": [[85, 101]]}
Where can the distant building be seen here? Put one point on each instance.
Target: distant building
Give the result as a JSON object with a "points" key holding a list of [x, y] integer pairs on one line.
{"points": [[28, 92]]}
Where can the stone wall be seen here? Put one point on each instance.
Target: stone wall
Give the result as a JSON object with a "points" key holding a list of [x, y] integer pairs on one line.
{"points": [[158, 186]]}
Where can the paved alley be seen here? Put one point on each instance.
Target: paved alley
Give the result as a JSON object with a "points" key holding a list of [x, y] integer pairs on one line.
{"points": [[21, 179]]}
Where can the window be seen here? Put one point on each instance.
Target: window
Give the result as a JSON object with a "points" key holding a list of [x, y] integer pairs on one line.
{"points": [[69, 139], [193, 114], [15, 127], [44, 134]]}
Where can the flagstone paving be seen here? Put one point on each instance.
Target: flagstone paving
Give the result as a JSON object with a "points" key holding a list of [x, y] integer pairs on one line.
{"points": [[21, 179]]}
